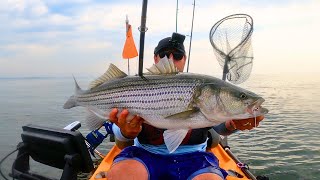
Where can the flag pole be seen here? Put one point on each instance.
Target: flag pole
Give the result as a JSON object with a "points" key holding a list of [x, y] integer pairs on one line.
{"points": [[129, 49]]}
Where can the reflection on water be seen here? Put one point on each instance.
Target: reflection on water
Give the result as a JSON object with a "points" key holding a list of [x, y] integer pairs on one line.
{"points": [[285, 146]]}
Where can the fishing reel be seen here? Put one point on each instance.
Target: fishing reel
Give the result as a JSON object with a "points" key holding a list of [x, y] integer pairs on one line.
{"points": [[95, 137]]}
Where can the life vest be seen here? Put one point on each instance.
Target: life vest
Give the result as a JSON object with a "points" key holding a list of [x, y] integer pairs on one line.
{"points": [[154, 136]]}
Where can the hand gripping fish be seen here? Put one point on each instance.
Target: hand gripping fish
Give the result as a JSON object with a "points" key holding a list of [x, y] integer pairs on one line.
{"points": [[167, 99]]}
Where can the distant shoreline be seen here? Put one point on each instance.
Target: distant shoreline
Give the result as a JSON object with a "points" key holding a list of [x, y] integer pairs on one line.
{"points": [[294, 74]]}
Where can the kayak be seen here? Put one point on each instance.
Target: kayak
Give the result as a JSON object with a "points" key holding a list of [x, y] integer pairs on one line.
{"points": [[227, 161], [69, 151]]}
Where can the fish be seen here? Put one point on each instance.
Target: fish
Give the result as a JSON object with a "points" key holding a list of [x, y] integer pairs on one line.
{"points": [[166, 99]]}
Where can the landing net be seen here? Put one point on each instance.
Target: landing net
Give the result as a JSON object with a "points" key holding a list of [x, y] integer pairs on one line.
{"points": [[231, 41]]}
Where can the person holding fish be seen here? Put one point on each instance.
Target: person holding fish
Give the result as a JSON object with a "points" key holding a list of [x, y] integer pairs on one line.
{"points": [[172, 154]]}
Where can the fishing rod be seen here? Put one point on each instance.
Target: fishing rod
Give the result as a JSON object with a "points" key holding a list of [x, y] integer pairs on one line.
{"points": [[142, 30], [127, 29], [177, 16], [194, 4]]}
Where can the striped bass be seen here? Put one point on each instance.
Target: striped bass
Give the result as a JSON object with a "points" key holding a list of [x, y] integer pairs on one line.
{"points": [[167, 100]]}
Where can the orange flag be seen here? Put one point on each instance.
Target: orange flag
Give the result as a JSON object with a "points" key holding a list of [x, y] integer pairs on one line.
{"points": [[129, 49]]}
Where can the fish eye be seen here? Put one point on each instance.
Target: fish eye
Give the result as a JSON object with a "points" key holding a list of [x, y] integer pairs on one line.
{"points": [[243, 96]]}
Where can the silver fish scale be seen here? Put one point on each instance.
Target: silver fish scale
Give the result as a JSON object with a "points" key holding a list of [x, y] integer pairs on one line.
{"points": [[156, 97], [164, 96]]}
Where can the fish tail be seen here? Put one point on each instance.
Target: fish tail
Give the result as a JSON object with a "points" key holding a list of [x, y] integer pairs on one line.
{"points": [[70, 103]]}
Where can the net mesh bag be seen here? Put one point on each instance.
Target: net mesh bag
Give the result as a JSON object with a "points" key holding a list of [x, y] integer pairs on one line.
{"points": [[231, 41]]}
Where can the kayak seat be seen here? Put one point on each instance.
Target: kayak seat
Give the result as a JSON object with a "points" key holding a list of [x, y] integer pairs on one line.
{"points": [[214, 138]]}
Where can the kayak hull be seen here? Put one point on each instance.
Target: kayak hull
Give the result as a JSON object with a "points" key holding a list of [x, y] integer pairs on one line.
{"points": [[225, 161]]}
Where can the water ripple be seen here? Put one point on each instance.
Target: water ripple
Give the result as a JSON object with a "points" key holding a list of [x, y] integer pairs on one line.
{"points": [[286, 145]]}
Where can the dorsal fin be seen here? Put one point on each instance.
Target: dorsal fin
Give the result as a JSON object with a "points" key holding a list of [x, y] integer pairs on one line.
{"points": [[112, 73], [164, 66]]}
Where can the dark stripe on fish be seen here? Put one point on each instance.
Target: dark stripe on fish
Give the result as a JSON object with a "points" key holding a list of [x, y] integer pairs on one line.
{"points": [[105, 97], [130, 89]]}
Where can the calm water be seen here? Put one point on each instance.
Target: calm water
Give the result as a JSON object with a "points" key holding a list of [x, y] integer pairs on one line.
{"points": [[285, 146]]}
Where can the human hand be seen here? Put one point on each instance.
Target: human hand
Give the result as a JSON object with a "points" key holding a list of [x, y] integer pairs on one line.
{"points": [[247, 124], [129, 129]]}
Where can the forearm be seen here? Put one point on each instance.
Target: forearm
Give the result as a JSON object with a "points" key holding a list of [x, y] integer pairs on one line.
{"points": [[121, 141], [222, 129]]}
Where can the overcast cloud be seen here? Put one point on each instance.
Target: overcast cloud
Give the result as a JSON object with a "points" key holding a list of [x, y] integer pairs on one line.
{"points": [[81, 37]]}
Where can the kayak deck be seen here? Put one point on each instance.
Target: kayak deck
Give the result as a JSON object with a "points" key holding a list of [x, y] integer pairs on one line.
{"points": [[225, 161]]}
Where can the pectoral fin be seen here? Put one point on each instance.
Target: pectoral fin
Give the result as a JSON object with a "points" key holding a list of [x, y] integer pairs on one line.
{"points": [[173, 138], [95, 118], [184, 115]]}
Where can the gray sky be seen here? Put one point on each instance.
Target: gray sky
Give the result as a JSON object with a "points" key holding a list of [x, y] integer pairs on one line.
{"points": [[81, 37]]}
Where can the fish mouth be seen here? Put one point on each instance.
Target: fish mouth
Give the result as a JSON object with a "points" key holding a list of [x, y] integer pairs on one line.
{"points": [[256, 109]]}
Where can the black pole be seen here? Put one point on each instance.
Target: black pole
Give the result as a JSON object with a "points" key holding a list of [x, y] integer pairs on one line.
{"points": [[194, 4], [224, 141], [225, 68], [142, 29]]}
